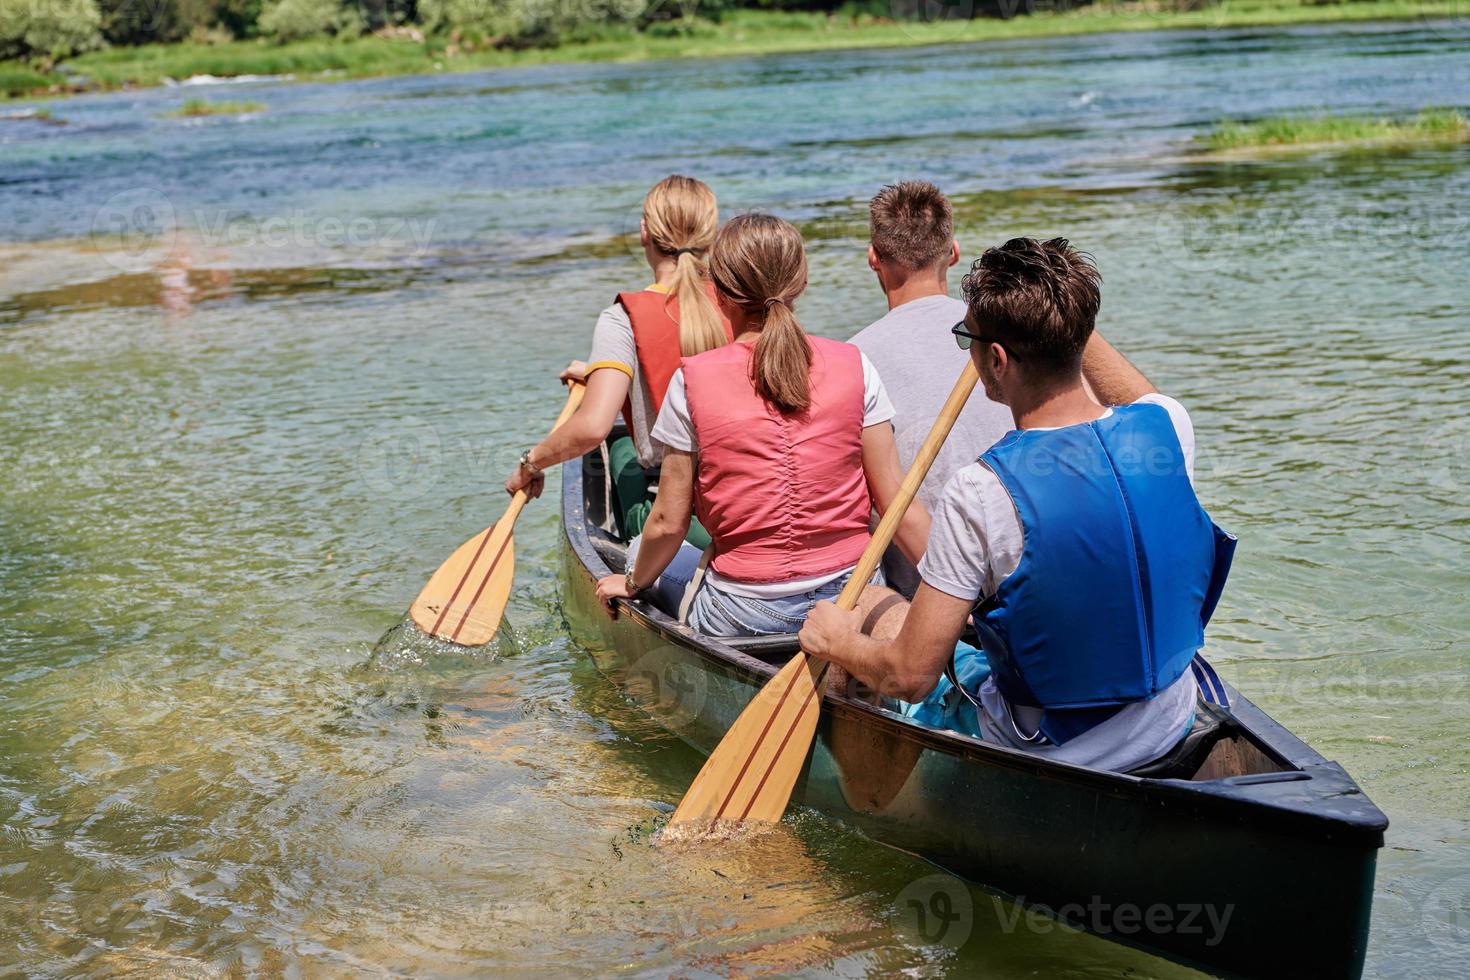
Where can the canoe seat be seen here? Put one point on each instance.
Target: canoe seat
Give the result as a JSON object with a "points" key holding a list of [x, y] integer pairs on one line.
{"points": [[1185, 759]]}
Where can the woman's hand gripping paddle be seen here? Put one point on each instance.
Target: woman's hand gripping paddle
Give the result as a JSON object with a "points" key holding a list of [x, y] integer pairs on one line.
{"points": [[751, 773], [466, 597]]}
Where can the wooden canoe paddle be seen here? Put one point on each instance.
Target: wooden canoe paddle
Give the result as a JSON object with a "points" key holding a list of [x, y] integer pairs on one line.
{"points": [[465, 599], [751, 773]]}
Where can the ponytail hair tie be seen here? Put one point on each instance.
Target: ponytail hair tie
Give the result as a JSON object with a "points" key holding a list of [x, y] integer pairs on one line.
{"points": [[691, 251], [776, 301]]}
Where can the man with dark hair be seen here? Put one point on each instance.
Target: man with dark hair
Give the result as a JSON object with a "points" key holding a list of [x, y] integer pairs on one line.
{"points": [[912, 247], [1080, 532]]}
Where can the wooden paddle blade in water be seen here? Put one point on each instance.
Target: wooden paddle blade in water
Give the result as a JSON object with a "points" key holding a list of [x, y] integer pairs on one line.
{"points": [[465, 599], [753, 770], [751, 773]]}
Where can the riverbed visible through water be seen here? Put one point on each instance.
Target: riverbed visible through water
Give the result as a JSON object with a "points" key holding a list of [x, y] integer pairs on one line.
{"points": [[260, 374]]}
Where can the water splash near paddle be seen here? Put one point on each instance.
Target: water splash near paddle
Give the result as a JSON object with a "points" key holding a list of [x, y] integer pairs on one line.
{"points": [[406, 647]]}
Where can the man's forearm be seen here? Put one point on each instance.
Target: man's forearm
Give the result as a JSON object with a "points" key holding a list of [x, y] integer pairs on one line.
{"points": [[880, 665], [863, 657], [1112, 377]]}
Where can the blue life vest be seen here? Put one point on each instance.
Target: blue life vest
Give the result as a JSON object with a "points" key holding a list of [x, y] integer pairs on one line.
{"points": [[1120, 568]]}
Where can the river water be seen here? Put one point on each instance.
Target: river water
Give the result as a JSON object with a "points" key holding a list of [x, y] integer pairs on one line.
{"points": [[261, 374]]}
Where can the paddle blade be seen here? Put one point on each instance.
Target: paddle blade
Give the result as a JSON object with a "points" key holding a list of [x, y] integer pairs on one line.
{"points": [[751, 773], [465, 599]]}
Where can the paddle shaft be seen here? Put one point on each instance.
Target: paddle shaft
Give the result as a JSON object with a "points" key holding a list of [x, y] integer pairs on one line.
{"points": [[465, 598], [918, 470], [575, 390]]}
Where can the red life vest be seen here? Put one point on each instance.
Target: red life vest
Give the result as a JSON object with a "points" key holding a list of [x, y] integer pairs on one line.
{"points": [[783, 496], [654, 314]]}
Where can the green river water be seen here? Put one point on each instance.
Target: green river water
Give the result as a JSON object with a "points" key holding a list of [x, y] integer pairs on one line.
{"points": [[261, 374]]}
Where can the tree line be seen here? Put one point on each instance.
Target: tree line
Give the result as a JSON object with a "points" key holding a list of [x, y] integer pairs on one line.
{"points": [[44, 31]]}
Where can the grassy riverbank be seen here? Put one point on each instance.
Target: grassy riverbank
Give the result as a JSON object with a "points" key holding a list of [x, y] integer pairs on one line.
{"points": [[739, 33], [1287, 134]]}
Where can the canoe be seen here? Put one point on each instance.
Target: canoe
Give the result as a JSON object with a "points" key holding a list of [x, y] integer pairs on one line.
{"points": [[1244, 824]]}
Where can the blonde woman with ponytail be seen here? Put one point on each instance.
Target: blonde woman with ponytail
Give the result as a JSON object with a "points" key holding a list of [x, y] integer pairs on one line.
{"points": [[636, 349], [782, 444]]}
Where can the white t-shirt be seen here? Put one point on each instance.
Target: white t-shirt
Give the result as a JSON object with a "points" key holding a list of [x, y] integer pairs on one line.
{"points": [[915, 352], [975, 542], [675, 430]]}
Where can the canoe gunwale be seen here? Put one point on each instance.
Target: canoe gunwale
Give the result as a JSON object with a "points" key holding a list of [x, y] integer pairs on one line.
{"points": [[1217, 797]]}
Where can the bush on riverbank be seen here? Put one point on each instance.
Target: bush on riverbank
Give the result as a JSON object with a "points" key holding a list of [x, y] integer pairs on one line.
{"points": [[49, 29], [297, 20]]}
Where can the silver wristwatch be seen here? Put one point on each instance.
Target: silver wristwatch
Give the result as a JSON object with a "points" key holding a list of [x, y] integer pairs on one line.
{"points": [[526, 462], [630, 585]]}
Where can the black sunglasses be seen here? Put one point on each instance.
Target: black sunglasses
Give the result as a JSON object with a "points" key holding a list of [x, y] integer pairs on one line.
{"points": [[965, 338]]}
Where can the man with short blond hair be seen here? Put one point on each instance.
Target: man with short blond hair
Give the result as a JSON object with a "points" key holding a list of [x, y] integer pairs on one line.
{"points": [[911, 249]]}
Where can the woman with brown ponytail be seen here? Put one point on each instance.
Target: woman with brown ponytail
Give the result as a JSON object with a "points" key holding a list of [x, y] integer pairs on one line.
{"points": [[636, 350], [782, 444]]}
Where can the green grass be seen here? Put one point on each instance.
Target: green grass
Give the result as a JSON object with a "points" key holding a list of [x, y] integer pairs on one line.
{"points": [[742, 32], [17, 79], [1287, 132], [204, 107]]}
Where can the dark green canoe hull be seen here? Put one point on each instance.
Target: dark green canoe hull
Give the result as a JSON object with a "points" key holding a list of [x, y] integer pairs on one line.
{"points": [[1283, 856]]}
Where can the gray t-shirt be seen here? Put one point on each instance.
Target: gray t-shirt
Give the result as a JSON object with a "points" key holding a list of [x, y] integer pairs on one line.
{"points": [[613, 347], [919, 361], [975, 543]]}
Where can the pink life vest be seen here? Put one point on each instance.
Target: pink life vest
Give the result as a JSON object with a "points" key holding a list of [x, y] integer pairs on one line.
{"points": [[783, 496]]}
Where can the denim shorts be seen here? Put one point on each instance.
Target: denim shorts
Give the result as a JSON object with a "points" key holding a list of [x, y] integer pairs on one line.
{"points": [[716, 612]]}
